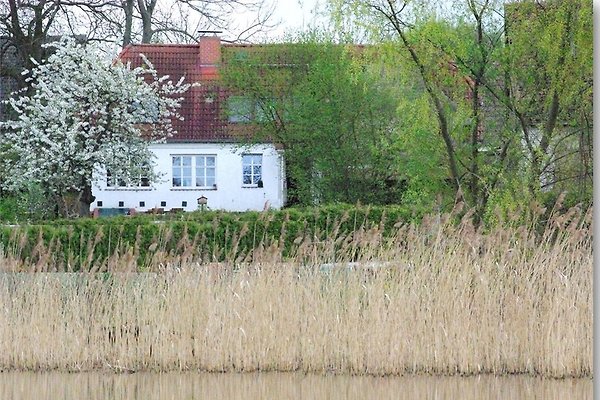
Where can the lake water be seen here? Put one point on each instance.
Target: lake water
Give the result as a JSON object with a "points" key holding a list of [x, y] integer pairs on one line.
{"points": [[188, 386]]}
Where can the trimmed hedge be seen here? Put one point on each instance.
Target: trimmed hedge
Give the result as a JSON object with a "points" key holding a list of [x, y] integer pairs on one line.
{"points": [[208, 236]]}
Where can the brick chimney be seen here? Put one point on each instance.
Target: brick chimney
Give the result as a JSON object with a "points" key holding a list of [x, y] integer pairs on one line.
{"points": [[209, 57]]}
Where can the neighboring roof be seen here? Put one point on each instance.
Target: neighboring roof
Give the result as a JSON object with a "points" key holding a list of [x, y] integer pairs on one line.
{"points": [[203, 107]]}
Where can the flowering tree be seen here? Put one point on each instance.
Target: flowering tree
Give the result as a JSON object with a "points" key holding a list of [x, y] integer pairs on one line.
{"points": [[86, 116]]}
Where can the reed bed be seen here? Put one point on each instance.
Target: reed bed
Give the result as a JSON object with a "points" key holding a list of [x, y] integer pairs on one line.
{"points": [[435, 298]]}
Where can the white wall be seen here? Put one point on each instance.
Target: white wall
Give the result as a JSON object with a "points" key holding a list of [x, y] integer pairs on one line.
{"points": [[229, 194]]}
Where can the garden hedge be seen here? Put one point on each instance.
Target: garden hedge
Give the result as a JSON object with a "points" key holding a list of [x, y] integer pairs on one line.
{"points": [[210, 236]]}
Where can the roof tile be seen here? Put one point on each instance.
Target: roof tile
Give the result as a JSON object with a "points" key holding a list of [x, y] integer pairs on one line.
{"points": [[203, 106]]}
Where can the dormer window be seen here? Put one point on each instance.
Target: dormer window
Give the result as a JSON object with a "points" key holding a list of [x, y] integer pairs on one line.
{"points": [[246, 109], [239, 109]]}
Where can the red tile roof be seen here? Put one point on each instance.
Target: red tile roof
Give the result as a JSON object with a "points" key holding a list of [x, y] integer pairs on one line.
{"points": [[203, 108]]}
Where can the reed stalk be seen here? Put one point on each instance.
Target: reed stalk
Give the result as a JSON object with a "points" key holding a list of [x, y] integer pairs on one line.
{"points": [[438, 298]]}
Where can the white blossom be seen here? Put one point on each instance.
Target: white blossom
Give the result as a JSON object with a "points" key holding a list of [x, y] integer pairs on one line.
{"points": [[85, 116]]}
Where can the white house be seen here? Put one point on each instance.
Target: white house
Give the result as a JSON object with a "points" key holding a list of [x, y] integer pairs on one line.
{"points": [[208, 156]]}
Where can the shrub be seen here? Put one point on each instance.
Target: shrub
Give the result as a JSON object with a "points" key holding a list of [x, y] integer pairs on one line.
{"points": [[214, 235]]}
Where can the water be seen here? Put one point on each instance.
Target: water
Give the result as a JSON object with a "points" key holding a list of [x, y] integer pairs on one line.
{"points": [[188, 386]]}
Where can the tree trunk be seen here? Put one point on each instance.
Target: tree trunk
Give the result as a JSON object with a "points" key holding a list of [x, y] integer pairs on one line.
{"points": [[76, 203], [146, 11], [128, 10], [86, 199], [69, 204], [475, 184], [392, 16]]}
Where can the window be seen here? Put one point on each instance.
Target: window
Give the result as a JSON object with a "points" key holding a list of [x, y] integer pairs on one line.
{"points": [[252, 169], [112, 181], [246, 109], [120, 182], [241, 55], [264, 110], [239, 109], [205, 171], [194, 171], [182, 171]]}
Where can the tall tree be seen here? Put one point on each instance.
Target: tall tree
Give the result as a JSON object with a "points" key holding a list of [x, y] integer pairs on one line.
{"points": [[330, 108], [85, 117], [527, 66], [549, 65], [26, 25], [392, 13]]}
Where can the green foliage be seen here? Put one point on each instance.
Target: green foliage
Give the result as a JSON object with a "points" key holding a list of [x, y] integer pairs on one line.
{"points": [[549, 63], [488, 91], [30, 204], [35, 203], [9, 209], [331, 109], [211, 236], [507, 203]]}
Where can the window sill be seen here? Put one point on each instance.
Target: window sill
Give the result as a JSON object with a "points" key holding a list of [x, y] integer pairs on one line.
{"points": [[191, 189], [128, 189], [251, 187]]}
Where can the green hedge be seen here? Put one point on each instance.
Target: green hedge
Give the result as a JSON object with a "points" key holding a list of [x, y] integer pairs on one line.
{"points": [[208, 236]]}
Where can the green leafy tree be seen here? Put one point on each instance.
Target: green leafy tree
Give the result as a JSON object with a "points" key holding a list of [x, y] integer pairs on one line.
{"points": [[333, 110], [507, 87], [549, 72]]}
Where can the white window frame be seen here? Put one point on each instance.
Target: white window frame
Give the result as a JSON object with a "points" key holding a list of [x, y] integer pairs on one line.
{"points": [[117, 183], [252, 164], [180, 175], [206, 168], [194, 166]]}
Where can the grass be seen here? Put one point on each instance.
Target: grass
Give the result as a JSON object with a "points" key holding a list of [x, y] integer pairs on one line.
{"points": [[437, 298]]}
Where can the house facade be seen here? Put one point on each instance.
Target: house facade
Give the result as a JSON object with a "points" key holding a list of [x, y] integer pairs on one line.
{"points": [[210, 155]]}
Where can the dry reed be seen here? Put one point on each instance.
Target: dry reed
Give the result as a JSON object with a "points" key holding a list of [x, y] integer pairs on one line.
{"points": [[438, 298]]}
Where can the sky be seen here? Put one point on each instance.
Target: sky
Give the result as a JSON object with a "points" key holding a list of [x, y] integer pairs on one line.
{"points": [[298, 15], [289, 15], [294, 14]]}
